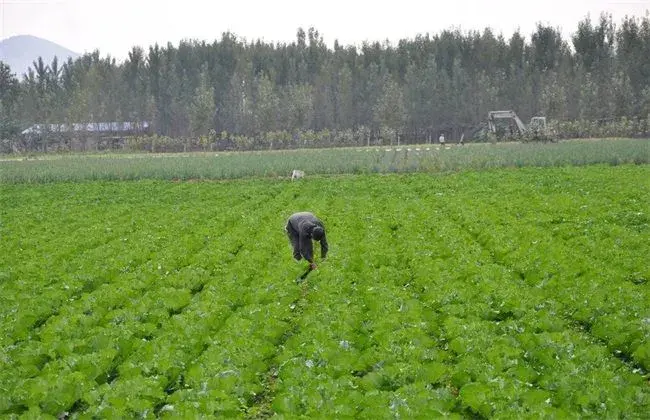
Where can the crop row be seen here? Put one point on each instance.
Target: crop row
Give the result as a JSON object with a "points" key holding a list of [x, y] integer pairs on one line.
{"points": [[434, 326], [156, 297], [512, 293], [584, 252], [231, 165]]}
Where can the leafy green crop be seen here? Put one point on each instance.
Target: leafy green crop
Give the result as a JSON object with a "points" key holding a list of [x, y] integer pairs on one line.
{"points": [[511, 293], [364, 160]]}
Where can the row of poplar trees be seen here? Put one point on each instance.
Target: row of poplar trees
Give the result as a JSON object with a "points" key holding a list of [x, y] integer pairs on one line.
{"points": [[451, 79]]}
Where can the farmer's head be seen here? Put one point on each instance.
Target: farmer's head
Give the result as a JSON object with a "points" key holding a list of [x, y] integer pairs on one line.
{"points": [[317, 233]]}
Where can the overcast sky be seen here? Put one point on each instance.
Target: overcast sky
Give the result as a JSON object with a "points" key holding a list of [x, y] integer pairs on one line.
{"points": [[115, 26]]}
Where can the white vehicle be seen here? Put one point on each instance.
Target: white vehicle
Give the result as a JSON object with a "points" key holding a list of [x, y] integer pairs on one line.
{"points": [[507, 123]]}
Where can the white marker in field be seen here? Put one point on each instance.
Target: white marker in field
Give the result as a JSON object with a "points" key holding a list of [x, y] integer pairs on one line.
{"points": [[297, 174]]}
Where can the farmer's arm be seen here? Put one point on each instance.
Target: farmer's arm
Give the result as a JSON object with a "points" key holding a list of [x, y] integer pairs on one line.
{"points": [[323, 247]]}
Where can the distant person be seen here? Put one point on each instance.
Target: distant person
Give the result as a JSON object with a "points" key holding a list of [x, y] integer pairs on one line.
{"points": [[441, 139], [297, 174], [302, 228]]}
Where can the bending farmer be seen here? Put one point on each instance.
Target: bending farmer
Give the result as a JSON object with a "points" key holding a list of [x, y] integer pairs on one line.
{"points": [[302, 228]]}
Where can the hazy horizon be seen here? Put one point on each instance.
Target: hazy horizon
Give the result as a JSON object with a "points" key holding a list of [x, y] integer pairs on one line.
{"points": [[115, 27]]}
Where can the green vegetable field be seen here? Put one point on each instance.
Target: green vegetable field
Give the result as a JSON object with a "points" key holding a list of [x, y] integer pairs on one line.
{"points": [[499, 293], [363, 160]]}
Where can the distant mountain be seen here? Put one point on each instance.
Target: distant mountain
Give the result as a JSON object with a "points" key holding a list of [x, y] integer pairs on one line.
{"points": [[19, 52]]}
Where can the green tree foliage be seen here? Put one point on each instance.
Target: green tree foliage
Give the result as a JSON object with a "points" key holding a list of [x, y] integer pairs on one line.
{"points": [[344, 105], [297, 111], [202, 108], [553, 100], [389, 110], [591, 107], [445, 82], [265, 105], [9, 97], [136, 95], [645, 103], [594, 45]]}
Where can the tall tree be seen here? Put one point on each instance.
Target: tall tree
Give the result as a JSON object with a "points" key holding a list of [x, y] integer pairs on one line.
{"points": [[594, 45], [553, 100], [9, 97], [344, 105], [265, 105], [136, 93], [448, 80], [203, 109], [297, 107], [390, 111]]}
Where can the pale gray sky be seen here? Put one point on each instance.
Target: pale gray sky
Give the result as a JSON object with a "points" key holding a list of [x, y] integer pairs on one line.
{"points": [[115, 26]]}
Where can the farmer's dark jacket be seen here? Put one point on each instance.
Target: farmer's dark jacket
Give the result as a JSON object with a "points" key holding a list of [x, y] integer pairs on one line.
{"points": [[299, 228]]}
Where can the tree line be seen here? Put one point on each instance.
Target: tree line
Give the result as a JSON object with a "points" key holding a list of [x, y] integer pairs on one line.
{"points": [[420, 87]]}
